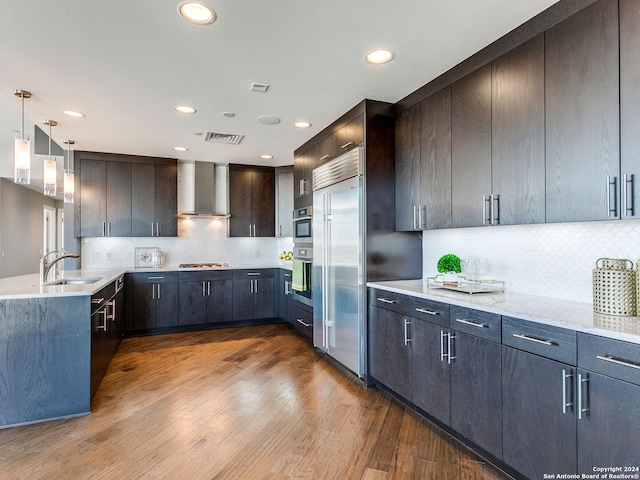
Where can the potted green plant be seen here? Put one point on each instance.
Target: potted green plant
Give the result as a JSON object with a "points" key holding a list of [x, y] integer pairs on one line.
{"points": [[449, 267]]}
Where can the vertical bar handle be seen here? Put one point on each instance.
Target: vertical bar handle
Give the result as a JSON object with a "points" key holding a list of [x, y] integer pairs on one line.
{"points": [[485, 199], [104, 229], [450, 347], [415, 217], [495, 209], [565, 403], [611, 205], [208, 289], [158, 291], [581, 410], [627, 204], [442, 354], [423, 217], [406, 332]]}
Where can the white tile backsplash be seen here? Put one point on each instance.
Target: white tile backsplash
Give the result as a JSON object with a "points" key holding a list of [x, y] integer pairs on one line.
{"points": [[552, 260], [199, 240]]}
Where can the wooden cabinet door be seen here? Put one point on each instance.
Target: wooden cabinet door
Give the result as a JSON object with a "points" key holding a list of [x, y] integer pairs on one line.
{"points": [[435, 161], [192, 303], [582, 115], [166, 304], [285, 203], [143, 315], [263, 301], [263, 204], [388, 355], [629, 107], [407, 166], [166, 200], [470, 147], [240, 203], [219, 301], [327, 149], [476, 392], [351, 135], [539, 437], [118, 197], [517, 133], [143, 198], [93, 198], [609, 430], [242, 300], [429, 373]]}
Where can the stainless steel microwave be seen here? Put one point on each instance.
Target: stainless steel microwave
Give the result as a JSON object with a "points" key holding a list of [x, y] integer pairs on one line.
{"points": [[302, 233]]}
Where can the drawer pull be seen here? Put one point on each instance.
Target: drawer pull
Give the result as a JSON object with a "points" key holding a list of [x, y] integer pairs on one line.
{"points": [[155, 278], [428, 312], [97, 301], [608, 358], [348, 144], [469, 322], [299, 320], [253, 274], [385, 300], [532, 339]]}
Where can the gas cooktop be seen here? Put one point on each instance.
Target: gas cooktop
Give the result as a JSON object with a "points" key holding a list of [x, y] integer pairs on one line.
{"points": [[203, 265]]}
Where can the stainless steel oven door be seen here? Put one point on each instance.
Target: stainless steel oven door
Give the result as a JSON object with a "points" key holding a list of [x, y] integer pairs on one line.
{"points": [[304, 254], [302, 220]]}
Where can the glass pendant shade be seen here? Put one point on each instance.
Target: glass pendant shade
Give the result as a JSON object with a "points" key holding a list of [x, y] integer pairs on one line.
{"points": [[69, 180], [22, 160], [50, 178]]}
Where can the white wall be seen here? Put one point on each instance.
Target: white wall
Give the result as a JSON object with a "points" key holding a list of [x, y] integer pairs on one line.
{"points": [[552, 260], [199, 240]]}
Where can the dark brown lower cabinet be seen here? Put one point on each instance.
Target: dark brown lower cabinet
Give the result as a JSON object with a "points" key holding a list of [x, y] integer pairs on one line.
{"points": [[154, 300], [539, 420], [205, 297], [253, 294]]}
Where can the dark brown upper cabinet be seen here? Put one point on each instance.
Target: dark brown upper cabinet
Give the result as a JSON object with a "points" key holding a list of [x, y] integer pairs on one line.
{"points": [[582, 116], [517, 135], [251, 201], [471, 149], [629, 107]]}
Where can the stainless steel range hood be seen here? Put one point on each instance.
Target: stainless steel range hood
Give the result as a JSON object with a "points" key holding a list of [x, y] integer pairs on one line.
{"points": [[202, 190]]}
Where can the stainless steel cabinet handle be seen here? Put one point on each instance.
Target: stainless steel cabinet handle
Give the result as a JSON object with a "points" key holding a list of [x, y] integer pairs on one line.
{"points": [[203, 294], [472, 323], [627, 203], [495, 209], [299, 320], [158, 291], [348, 144], [565, 404], [157, 229], [611, 206], [485, 200], [608, 358], [110, 306], [250, 230], [280, 230], [386, 300], [581, 410], [450, 347], [102, 327], [324, 157], [442, 354], [532, 339], [253, 274], [256, 286], [208, 289], [104, 229], [287, 288], [97, 301], [153, 291], [428, 312], [423, 217], [415, 217], [406, 332], [155, 278]]}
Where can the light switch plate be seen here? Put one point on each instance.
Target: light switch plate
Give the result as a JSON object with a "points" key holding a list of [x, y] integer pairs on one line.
{"points": [[143, 256]]}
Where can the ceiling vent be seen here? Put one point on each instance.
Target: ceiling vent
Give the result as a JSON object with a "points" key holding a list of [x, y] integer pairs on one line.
{"points": [[259, 87], [226, 138]]}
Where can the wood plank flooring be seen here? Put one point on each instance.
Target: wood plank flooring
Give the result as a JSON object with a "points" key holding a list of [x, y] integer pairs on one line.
{"points": [[236, 403]]}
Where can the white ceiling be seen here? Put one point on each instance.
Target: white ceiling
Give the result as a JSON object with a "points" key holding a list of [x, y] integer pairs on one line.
{"points": [[127, 63]]}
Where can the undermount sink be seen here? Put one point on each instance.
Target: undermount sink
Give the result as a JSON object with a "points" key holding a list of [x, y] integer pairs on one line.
{"points": [[73, 281]]}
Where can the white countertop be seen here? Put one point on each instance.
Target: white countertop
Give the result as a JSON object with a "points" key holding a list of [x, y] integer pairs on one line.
{"points": [[28, 286], [578, 316]]}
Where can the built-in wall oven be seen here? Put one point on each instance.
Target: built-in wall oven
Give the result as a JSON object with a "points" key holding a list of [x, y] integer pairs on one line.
{"points": [[302, 218], [301, 277]]}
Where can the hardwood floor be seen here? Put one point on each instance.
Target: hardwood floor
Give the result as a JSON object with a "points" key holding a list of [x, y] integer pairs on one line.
{"points": [[236, 403]]}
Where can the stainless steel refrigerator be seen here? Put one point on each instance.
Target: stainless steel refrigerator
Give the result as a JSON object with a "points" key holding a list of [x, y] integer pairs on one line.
{"points": [[338, 259]]}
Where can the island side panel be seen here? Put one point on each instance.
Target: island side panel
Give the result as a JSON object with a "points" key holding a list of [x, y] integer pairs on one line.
{"points": [[44, 358]]}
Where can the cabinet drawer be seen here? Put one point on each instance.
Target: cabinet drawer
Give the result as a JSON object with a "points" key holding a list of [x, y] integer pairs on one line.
{"points": [[614, 358], [253, 273], [155, 277], [302, 321], [434, 312], [545, 340], [474, 322], [206, 275], [395, 302]]}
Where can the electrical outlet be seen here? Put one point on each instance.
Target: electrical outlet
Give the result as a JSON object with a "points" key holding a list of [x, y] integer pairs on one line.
{"points": [[257, 253], [97, 256], [108, 255]]}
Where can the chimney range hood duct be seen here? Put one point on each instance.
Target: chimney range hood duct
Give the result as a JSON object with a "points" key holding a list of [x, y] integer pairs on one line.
{"points": [[202, 190]]}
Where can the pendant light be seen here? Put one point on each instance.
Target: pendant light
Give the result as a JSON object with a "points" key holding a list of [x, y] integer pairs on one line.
{"points": [[22, 148], [69, 178], [50, 167]]}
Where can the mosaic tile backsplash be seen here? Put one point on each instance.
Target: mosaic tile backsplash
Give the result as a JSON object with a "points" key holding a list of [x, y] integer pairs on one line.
{"points": [[199, 240], [551, 260]]}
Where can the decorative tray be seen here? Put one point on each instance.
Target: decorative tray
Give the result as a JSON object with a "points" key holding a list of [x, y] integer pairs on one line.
{"points": [[466, 285]]}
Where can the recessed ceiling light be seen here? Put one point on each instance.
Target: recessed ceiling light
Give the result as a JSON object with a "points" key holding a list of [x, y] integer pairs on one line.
{"points": [[180, 149], [379, 56], [302, 124], [197, 12], [73, 113], [266, 156], [185, 109]]}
